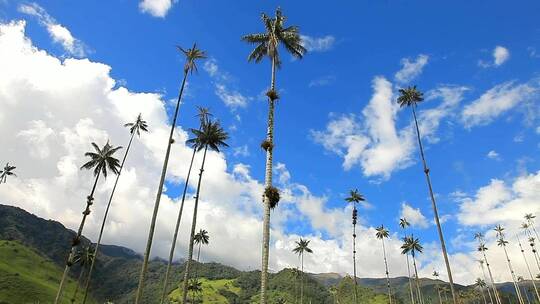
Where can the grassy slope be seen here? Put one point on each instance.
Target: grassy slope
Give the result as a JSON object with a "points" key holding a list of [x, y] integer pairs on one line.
{"points": [[212, 291], [27, 277]]}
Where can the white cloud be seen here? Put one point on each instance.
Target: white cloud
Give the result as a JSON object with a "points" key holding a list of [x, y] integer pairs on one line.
{"points": [[241, 151], [156, 8], [413, 216], [59, 33], [322, 81], [411, 69], [493, 155], [500, 55], [233, 99], [318, 44], [498, 100]]}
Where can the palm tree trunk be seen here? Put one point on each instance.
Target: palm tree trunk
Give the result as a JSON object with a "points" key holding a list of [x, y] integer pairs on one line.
{"points": [[518, 292], [483, 295], [439, 293], [487, 286], [435, 211], [528, 269], [192, 235], [138, 297], [495, 291], [419, 292], [175, 235], [77, 286], [387, 274], [302, 280], [268, 183], [410, 280], [526, 295], [96, 249], [76, 240], [354, 262]]}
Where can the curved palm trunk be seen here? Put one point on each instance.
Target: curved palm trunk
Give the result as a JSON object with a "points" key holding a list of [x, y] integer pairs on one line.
{"points": [[410, 280], [435, 211], [192, 235], [76, 240], [354, 262], [96, 249], [417, 279], [528, 270], [518, 291], [175, 235], [387, 274], [486, 280], [268, 183], [138, 297], [495, 291], [302, 280], [77, 286]]}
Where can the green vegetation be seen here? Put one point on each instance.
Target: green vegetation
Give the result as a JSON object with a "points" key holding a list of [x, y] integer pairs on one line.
{"points": [[213, 291]]}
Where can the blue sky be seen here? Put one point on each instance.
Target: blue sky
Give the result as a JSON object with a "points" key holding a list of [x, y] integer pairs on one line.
{"points": [[485, 53]]}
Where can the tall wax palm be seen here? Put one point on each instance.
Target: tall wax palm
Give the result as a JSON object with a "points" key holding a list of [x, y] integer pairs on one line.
{"points": [[412, 245], [267, 45], [134, 128], [502, 243], [355, 197], [84, 258], [528, 268], [529, 217], [480, 284], [192, 55], [436, 276], [201, 238], [403, 223], [410, 96], [102, 160], [381, 234], [203, 114], [481, 262], [482, 248], [526, 227], [7, 171], [302, 246], [213, 137]]}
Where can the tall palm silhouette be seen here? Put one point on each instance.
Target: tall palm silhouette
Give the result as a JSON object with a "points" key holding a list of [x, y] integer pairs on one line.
{"points": [[409, 97], [302, 246], [480, 284], [192, 55], [5, 172], [479, 236], [84, 258], [528, 268], [529, 217], [134, 128], [412, 245], [481, 262], [201, 238], [437, 285], [532, 241], [382, 233], [102, 160], [354, 197], [404, 224], [213, 137], [520, 281], [267, 44], [502, 243], [203, 114]]}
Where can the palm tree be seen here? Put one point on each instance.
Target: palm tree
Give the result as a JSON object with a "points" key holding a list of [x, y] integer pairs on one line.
{"points": [[436, 276], [528, 269], [333, 292], [529, 217], [203, 115], [84, 258], [7, 171], [403, 223], [101, 161], [481, 262], [412, 245], [267, 45], [134, 128], [480, 284], [410, 97], [355, 197], [521, 280], [201, 238], [211, 136], [526, 227], [502, 243], [191, 55], [195, 286], [381, 234], [302, 246], [482, 248]]}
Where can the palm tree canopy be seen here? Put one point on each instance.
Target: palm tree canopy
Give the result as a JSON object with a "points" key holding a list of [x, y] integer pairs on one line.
{"points": [[524, 226], [102, 160], [137, 126], [482, 247], [403, 223], [381, 232], [211, 135], [502, 242], [203, 114], [499, 229], [355, 197], [202, 237], [409, 96], [267, 43], [192, 54], [529, 216], [302, 246], [479, 236], [412, 245], [435, 274], [85, 257], [7, 171]]}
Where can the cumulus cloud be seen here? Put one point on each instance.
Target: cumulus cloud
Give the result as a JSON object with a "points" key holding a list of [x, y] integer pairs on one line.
{"points": [[59, 33], [318, 44], [411, 68], [156, 8], [233, 99], [500, 55], [413, 216], [493, 155]]}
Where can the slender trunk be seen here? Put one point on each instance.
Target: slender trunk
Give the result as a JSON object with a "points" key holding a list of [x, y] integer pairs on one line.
{"points": [[419, 292], [518, 292], [410, 280], [354, 262], [77, 286], [268, 183], [435, 211], [138, 297], [175, 235], [192, 234], [387, 274], [483, 295], [533, 249], [526, 295], [96, 249], [495, 291], [486, 280], [528, 269], [302, 279], [439, 292], [76, 241]]}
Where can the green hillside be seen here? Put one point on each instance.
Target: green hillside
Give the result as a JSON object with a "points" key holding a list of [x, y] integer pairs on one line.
{"points": [[28, 277]]}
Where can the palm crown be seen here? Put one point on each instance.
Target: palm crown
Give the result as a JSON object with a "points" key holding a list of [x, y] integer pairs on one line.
{"points": [[85, 257], [435, 274], [7, 171], [102, 159], [302, 246], [403, 223], [499, 229], [267, 43], [355, 197], [202, 237], [412, 245], [192, 54], [137, 126], [382, 232], [211, 135], [203, 114], [482, 247], [409, 96]]}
